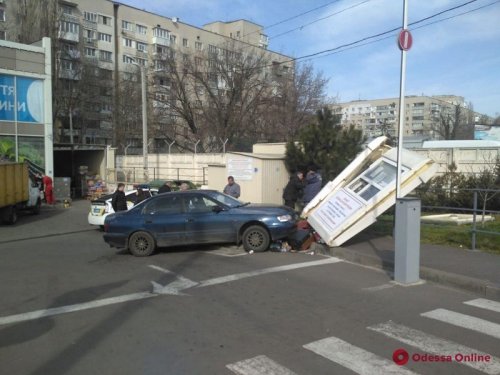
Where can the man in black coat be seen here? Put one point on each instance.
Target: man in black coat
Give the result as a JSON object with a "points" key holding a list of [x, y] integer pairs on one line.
{"points": [[119, 201], [294, 189], [165, 188]]}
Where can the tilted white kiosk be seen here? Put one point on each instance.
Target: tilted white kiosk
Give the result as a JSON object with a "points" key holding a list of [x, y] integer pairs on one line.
{"points": [[364, 190]]}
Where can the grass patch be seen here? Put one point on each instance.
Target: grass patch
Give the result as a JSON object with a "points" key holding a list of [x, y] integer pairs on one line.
{"points": [[450, 235]]}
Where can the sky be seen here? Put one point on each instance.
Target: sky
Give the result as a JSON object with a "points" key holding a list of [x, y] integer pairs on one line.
{"points": [[459, 56]]}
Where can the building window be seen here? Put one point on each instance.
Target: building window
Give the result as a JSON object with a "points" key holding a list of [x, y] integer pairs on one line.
{"points": [[128, 59], [185, 58], [212, 49], [105, 20], [88, 16], [143, 47], [198, 46], [127, 25], [89, 34], [185, 42], [67, 64], [197, 61], [105, 37], [69, 27], [106, 56], [105, 73], [173, 39], [142, 29], [141, 62], [128, 43], [106, 107], [3, 36], [90, 52], [162, 33], [238, 34], [66, 9]]}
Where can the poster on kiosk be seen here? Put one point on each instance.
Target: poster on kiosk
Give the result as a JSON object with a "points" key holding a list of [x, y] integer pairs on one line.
{"points": [[364, 190]]}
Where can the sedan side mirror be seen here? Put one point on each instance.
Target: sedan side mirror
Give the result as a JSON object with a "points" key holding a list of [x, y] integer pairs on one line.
{"points": [[217, 209]]}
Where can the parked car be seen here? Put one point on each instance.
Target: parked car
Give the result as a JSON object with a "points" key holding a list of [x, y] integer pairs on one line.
{"points": [[100, 208], [197, 217], [175, 184]]}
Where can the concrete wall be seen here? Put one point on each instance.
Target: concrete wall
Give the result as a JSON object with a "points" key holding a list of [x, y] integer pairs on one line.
{"points": [[467, 160]]}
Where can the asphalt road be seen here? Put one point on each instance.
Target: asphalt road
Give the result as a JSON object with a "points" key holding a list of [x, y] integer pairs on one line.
{"points": [[71, 305]]}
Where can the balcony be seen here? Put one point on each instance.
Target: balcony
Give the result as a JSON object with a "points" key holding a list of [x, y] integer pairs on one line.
{"points": [[69, 36], [90, 24], [69, 74], [161, 41], [90, 42]]}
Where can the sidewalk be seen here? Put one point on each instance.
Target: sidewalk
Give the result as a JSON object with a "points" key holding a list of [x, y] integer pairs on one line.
{"points": [[473, 271], [52, 221]]}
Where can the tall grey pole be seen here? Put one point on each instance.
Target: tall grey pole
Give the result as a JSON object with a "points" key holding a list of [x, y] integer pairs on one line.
{"points": [[402, 82], [144, 123], [71, 138], [407, 214]]}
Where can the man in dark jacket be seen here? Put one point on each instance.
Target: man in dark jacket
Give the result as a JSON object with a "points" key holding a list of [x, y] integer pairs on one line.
{"points": [[165, 188], [313, 184], [119, 202], [294, 189]]}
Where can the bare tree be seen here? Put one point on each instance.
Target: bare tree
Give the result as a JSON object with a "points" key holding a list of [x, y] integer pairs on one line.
{"points": [[454, 122], [296, 100]]}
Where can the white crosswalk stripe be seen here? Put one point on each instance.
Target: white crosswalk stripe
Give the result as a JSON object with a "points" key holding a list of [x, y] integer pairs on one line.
{"points": [[428, 343], [484, 304], [260, 365], [465, 321], [354, 358]]}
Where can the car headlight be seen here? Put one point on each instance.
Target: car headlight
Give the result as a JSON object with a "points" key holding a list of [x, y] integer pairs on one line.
{"points": [[284, 218]]}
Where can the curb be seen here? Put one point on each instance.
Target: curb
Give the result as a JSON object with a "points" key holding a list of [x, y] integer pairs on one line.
{"points": [[470, 284]]}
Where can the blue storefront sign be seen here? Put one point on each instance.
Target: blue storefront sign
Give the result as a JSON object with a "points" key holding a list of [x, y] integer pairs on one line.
{"points": [[24, 93]]}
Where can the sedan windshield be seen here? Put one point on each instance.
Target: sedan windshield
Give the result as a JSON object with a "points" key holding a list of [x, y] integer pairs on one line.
{"points": [[225, 199]]}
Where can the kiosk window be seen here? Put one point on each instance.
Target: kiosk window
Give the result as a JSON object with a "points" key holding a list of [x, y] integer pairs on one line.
{"points": [[373, 180]]}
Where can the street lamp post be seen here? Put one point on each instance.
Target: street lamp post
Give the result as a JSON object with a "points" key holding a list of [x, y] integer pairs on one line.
{"points": [[144, 121]]}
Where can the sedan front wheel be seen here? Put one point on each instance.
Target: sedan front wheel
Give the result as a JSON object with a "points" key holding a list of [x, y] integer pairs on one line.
{"points": [[256, 238], [141, 244]]}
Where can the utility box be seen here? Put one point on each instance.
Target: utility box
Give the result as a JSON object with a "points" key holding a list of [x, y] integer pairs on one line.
{"points": [[62, 188], [364, 190], [407, 240]]}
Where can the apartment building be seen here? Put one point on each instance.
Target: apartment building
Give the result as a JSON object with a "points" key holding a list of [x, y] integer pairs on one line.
{"points": [[114, 41], [422, 113]]}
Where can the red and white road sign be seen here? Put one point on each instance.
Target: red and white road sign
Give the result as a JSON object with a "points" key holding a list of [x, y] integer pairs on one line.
{"points": [[405, 40]]}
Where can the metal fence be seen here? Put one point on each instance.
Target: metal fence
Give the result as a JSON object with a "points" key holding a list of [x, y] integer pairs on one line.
{"points": [[136, 175], [475, 202]]}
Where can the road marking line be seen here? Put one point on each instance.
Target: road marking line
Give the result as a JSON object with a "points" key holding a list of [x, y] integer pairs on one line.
{"points": [[428, 343], [354, 358], [378, 287], [244, 275], [484, 304], [72, 308], [465, 321], [225, 255], [175, 287], [260, 365]]}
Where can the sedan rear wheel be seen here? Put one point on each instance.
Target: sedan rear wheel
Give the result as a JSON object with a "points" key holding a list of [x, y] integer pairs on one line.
{"points": [[141, 244], [256, 238]]}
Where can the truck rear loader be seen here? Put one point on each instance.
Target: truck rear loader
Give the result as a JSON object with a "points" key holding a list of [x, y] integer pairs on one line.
{"points": [[18, 191]]}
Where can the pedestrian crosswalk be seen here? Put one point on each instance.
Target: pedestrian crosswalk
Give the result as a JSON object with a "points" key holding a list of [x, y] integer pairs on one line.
{"points": [[362, 361], [354, 358]]}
